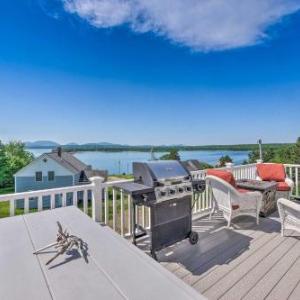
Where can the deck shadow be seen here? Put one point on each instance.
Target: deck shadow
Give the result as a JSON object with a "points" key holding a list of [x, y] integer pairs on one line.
{"points": [[217, 244], [225, 246]]}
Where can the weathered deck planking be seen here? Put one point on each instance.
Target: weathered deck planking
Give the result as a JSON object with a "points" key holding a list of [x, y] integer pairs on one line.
{"points": [[244, 262]]}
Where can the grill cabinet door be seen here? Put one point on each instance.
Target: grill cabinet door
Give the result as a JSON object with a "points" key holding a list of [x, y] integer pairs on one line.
{"points": [[170, 222]]}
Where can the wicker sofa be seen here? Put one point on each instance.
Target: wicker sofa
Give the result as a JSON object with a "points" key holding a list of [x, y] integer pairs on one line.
{"points": [[276, 172]]}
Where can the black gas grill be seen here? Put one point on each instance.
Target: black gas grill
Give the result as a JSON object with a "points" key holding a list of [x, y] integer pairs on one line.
{"points": [[167, 188]]}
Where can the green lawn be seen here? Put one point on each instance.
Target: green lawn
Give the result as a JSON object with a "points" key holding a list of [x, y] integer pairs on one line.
{"points": [[7, 190], [4, 206]]}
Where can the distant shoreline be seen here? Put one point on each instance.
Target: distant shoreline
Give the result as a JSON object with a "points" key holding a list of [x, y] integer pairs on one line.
{"points": [[120, 148]]}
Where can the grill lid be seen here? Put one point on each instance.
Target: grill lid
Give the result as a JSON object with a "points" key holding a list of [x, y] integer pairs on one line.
{"points": [[167, 170]]}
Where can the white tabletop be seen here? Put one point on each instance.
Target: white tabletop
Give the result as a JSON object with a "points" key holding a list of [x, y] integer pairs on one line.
{"points": [[115, 270]]}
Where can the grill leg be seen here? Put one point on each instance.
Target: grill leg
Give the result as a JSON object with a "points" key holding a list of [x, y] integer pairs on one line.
{"points": [[153, 254], [134, 224]]}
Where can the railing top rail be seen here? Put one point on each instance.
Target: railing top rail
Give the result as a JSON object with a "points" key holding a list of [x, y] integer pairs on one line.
{"points": [[111, 183], [292, 165], [226, 168], [46, 192]]}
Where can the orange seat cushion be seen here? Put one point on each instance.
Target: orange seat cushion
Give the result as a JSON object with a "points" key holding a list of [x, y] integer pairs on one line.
{"points": [[283, 187], [271, 172], [243, 191], [225, 175]]}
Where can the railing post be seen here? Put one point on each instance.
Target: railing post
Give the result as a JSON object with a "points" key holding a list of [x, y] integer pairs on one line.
{"points": [[97, 198], [229, 165]]}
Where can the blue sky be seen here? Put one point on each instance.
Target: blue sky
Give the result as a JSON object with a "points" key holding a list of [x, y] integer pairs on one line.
{"points": [[153, 73]]}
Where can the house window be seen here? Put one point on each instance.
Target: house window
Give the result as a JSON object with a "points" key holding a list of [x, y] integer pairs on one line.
{"points": [[51, 176], [38, 176]]}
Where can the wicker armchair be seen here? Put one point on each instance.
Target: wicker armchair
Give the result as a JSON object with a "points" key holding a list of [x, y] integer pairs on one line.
{"points": [[231, 201], [289, 213]]}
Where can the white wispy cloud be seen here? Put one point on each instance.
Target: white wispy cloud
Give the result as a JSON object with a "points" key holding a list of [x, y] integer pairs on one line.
{"points": [[203, 25]]}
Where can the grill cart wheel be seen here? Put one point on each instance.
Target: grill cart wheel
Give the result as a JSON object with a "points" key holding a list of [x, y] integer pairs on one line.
{"points": [[153, 254], [193, 238]]}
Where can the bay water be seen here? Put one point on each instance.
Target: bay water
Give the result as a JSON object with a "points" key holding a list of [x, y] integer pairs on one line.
{"points": [[121, 162]]}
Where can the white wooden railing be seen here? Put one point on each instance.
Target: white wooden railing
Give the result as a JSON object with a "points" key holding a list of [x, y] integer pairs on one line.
{"points": [[293, 172], [112, 206]]}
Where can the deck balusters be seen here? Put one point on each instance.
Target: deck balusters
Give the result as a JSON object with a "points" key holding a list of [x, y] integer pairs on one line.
{"points": [[75, 198], [12, 207], [129, 214], [114, 220], [26, 205], [40, 203], [52, 201], [122, 211], [64, 199], [120, 203]]}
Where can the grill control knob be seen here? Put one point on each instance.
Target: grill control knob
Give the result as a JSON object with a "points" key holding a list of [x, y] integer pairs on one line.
{"points": [[145, 197], [172, 192], [162, 193], [188, 189], [180, 190]]}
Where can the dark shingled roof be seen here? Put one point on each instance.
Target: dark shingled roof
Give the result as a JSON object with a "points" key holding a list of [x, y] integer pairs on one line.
{"points": [[69, 161]]}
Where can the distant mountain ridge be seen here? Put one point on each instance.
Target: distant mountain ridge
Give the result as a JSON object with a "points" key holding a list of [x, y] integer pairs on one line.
{"points": [[41, 144], [51, 144], [111, 147]]}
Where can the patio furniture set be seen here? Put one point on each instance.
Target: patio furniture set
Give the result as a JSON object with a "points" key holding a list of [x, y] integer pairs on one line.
{"points": [[271, 189]]}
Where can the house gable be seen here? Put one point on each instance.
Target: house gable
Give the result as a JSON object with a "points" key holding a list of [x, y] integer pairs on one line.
{"points": [[44, 164]]}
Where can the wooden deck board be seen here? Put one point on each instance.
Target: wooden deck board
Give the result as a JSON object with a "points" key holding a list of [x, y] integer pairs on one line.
{"points": [[229, 252], [244, 262], [264, 264], [267, 283], [218, 269], [287, 283], [296, 292]]}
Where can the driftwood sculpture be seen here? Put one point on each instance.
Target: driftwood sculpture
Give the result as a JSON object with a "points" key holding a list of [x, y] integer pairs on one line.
{"points": [[64, 243]]}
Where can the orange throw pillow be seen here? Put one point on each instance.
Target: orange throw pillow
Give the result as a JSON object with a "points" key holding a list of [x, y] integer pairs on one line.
{"points": [[271, 172], [225, 175], [283, 187]]}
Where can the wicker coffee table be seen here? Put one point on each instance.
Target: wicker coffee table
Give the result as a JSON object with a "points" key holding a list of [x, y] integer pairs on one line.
{"points": [[268, 190]]}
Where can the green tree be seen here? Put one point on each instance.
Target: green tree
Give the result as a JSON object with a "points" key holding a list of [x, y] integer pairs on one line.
{"points": [[268, 155], [13, 157], [172, 155], [223, 160], [288, 154], [204, 166]]}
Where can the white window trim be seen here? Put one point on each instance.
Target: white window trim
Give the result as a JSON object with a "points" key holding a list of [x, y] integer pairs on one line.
{"points": [[42, 176]]}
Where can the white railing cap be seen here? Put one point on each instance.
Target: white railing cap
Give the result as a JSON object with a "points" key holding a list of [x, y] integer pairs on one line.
{"points": [[46, 192]]}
